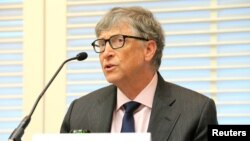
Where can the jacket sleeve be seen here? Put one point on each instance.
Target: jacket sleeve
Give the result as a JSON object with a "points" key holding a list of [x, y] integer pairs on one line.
{"points": [[208, 117], [65, 127]]}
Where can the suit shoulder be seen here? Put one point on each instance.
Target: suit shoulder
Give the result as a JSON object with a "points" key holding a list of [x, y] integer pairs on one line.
{"points": [[185, 93], [189, 102]]}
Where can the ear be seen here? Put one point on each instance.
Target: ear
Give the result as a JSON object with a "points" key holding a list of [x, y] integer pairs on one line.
{"points": [[150, 50]]}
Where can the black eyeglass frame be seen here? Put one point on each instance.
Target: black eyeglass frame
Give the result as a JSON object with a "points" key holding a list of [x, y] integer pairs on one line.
{"points": [[108, 40]]}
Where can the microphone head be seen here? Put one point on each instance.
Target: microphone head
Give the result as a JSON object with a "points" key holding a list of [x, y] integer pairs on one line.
{"points": [[81, 56]]}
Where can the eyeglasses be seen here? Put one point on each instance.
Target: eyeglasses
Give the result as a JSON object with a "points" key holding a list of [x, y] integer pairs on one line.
{"points": [[115, 41]]}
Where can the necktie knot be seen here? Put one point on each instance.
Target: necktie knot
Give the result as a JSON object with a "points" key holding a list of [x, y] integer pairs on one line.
{"points": [[131, 106]]}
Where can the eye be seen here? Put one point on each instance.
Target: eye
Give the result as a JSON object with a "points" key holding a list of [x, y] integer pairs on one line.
{"points": [[101, 43], [120, 39], [117, 40]]}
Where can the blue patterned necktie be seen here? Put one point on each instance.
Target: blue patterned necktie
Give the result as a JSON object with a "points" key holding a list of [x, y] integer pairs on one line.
{"points": [[128, 124]]}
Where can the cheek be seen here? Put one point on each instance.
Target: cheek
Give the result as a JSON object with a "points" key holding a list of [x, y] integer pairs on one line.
{"points": [[134, 59]]}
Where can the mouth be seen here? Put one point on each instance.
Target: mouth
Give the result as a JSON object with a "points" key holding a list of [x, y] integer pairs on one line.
{"points": [[109, 67]]}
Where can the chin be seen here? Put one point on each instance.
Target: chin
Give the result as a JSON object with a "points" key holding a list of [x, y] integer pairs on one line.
{"points": [[112, 79]]}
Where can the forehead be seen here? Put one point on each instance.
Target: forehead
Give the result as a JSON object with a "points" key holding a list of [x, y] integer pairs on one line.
{"points": [[120, 28]]}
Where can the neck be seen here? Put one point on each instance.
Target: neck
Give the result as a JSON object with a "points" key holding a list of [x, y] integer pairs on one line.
{"points": [[133, 86]]}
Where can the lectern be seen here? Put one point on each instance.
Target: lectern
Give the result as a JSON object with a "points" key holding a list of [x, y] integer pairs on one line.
{"points": [[93, 137]]}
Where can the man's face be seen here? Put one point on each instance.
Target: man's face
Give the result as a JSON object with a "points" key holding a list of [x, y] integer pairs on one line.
{"points": [[124, 64]]}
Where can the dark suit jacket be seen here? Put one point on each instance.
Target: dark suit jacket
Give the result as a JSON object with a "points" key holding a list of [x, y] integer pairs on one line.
{"points": [[178, 114]]}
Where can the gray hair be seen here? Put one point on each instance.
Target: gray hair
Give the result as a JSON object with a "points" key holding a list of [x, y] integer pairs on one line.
{"points": [[143, 23]]}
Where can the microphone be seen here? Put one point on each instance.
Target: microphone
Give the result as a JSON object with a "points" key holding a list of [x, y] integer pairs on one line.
{"points": [[17, 134], [81, 56]]}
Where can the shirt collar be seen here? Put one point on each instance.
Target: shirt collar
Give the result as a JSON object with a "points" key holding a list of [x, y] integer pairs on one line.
{"points": [[145, 97]]}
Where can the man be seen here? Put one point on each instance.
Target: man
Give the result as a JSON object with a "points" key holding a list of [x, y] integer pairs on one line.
{"points": [[130, 44]]}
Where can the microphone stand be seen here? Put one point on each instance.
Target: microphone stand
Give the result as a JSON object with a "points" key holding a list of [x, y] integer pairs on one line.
{"points": [[17, 134]]}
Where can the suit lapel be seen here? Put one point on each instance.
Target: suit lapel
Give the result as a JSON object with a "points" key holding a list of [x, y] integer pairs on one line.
{"points": [[106, 104], [163, 116]]}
